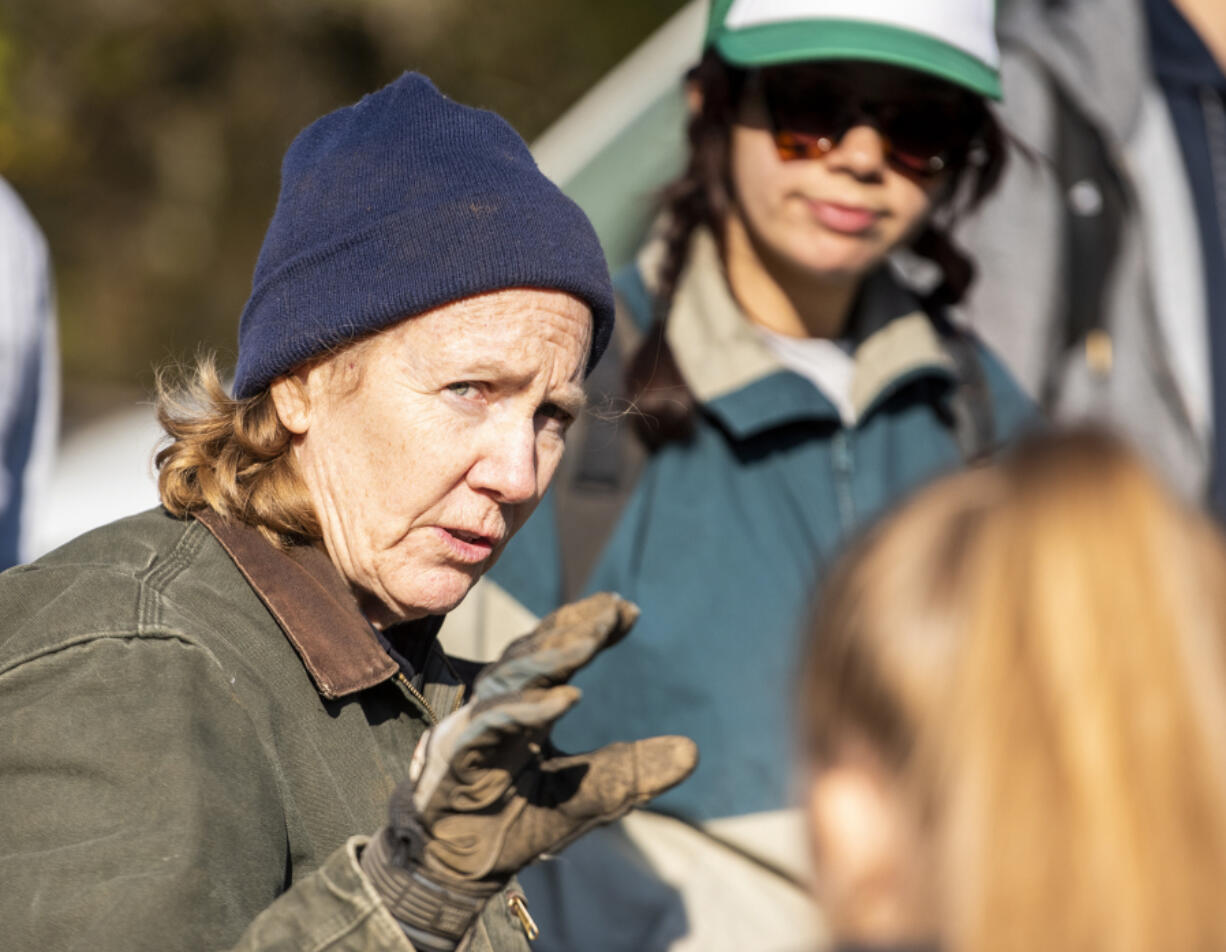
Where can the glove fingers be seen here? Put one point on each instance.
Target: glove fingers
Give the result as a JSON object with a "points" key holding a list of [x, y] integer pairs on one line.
{"points": [[589, 790], [520, 718], [621, 776], [562, 644], [474, 754]]}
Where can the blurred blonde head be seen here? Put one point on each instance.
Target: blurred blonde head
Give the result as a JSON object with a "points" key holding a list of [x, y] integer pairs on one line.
{"points": [[1032, 655]]}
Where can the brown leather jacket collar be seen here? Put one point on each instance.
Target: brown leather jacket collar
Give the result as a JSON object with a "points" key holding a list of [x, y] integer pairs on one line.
{"points": [[313, 605]]}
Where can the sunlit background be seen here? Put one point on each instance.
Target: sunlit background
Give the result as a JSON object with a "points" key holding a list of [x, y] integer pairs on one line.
{"points": [[146, 137]]}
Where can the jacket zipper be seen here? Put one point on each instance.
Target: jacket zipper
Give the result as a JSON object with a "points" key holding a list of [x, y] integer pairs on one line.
{"points": [[421, 698], [418, 697], [841, 451]]}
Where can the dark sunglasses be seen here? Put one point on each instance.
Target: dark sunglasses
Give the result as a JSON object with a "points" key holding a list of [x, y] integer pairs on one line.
{"points": [[924, 133]]}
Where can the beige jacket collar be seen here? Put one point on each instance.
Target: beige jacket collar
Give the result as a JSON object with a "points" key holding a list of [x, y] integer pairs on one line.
{"points": [[719, 353]]}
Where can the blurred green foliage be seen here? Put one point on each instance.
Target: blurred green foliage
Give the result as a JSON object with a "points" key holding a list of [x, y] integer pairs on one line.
{"points": [[146, 136]]}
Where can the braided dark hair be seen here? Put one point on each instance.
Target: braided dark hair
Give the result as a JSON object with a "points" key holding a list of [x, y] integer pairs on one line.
{"points": [[703, 196]]}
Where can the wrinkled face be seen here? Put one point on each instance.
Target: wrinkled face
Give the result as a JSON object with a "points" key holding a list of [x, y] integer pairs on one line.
{"points": [[838, 214], [425, 447]]}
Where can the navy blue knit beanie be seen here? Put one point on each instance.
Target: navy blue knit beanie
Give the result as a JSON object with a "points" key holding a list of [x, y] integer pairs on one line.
{"points": [[400, 203]]}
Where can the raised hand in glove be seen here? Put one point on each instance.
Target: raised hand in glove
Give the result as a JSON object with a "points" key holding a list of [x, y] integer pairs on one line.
{"points": [[487, 794]]}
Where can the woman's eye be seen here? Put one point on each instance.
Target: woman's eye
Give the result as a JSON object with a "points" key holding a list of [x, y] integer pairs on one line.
{"points": [[552, 411]]}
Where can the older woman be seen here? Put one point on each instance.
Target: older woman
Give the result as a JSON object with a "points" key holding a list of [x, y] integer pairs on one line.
{"points": [[205, 704]]}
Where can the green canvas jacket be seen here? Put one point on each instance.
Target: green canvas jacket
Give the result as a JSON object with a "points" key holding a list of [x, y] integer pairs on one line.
{"points": [[198, 729]]}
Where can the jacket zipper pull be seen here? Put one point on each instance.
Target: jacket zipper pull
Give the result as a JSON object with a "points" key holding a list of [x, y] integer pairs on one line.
{"points": [[518, 905]]}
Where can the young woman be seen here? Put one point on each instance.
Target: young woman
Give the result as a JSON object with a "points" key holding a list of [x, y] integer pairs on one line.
{"points": [[1015, 706], [790, 380], [789, 383]]}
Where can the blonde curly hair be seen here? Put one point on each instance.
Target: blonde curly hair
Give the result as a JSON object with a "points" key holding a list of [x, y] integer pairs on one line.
{"points": [[232, 456]]}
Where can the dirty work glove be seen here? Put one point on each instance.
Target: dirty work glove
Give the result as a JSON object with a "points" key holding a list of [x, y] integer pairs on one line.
{"points": [[487, 794]]}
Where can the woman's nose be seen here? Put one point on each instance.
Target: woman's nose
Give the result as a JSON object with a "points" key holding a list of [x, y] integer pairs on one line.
{"points": [[861, 151], [507, 467]]}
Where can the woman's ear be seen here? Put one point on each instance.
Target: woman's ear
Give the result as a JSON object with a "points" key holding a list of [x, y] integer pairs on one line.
{"points": [[292, 399], [867, 859], [851, 826], [693, 97]]}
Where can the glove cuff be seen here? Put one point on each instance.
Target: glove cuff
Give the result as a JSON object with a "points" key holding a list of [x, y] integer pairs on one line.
{"points": [[421, 904]]}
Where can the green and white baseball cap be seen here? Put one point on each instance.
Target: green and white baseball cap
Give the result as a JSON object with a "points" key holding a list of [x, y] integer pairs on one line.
{"points": [[951, 39]]}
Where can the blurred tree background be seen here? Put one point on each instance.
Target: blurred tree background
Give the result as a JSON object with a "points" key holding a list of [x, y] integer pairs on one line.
{"points": [[147, 136]]}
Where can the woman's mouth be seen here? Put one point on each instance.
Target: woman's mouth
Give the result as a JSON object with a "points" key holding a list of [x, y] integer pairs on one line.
{"points": [[845, 219], [465, 545]]}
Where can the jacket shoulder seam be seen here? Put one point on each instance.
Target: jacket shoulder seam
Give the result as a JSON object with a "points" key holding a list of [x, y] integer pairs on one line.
{"points": [[84, 639], [161, 571]]}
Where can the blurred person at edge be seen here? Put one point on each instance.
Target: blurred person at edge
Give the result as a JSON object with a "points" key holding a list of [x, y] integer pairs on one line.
{"points": [[791, 382], [1013, 707], [1103, 254], [206, 705], [29, 376]]}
